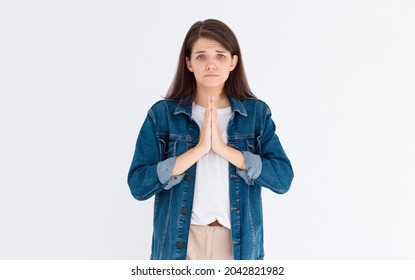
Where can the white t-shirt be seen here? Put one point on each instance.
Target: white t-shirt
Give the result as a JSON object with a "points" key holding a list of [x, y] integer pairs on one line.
{"points": [[211, 196]]}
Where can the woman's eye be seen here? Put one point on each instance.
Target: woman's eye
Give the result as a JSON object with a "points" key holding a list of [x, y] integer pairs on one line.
{"points": [[200, 57], [221, 56]]}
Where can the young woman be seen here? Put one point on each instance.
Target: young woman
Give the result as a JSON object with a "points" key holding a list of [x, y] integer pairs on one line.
{"points": [[205, 152]]}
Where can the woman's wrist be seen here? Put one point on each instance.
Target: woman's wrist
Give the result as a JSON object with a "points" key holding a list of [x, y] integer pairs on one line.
{"points": [[200, 150], [220, 149]]}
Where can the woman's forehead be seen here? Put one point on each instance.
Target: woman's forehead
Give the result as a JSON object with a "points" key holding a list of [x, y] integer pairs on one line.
{"points": [[203, 44]]}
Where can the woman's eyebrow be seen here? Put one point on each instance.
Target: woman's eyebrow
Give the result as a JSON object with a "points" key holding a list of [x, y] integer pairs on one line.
{"points": [[218, 51]]}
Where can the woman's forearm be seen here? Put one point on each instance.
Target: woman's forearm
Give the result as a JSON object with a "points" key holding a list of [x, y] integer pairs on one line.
{"points": [[233, 156], [187, 159]]}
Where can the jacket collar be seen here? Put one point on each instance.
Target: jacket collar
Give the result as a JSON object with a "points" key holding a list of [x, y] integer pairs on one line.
{"points": [[185, 107]]}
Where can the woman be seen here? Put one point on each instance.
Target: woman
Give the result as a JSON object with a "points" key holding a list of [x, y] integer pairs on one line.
{"points": [[205, 152]]}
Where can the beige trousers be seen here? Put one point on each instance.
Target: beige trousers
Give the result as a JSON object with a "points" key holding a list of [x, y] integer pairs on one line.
{"points": [[209, 243]]}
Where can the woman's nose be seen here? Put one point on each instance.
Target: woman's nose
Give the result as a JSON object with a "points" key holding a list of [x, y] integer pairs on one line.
{"points": [[210, 65]]}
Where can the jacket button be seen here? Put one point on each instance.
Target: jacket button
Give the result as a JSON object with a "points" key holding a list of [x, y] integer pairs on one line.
{"points": [[179, 244], [183, 210], [187, 178]]}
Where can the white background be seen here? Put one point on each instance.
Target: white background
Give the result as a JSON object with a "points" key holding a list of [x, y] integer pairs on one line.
{"points": [[77, 78]]}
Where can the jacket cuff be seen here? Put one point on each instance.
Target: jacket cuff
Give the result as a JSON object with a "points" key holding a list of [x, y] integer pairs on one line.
{"points": [[164, 171], [253, 164]]}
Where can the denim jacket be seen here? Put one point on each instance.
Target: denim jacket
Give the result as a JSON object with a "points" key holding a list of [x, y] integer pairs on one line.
{"points": [[169, 131]]}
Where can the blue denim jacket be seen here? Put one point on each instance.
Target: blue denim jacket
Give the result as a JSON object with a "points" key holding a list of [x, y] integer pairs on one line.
{"points": [[169, 131]]}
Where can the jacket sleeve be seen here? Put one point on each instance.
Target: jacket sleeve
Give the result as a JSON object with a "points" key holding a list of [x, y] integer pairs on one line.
{"points": [[148, 174], [271, 168]]}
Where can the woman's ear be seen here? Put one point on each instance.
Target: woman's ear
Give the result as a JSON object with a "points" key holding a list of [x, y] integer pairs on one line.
{"points": [[234, 62], [189, 65]]}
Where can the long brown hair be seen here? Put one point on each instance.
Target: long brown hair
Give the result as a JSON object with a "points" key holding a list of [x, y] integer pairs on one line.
{"points": [[184, 82]]}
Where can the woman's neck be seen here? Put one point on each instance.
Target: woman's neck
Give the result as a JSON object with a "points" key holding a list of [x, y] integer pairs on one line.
{"points": [[220, 99]]}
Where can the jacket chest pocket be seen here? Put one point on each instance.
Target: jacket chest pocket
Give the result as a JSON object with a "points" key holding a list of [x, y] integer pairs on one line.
{"points": [[171, 146], [167, 147], [250, 143]]}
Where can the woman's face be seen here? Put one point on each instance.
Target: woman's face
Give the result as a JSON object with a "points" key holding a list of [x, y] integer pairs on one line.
{"points": [[211, 63]]}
